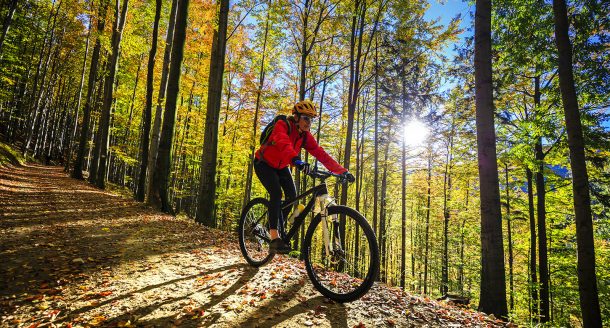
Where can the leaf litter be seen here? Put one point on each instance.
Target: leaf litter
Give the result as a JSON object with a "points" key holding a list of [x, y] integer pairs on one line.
{"points": [[77, 256]]}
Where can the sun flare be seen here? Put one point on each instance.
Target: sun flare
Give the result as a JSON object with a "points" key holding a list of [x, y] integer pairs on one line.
{"points": [[415, 133]]}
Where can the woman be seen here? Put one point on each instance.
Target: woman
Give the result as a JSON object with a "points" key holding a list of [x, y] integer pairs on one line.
{"points": [[282, 149]]}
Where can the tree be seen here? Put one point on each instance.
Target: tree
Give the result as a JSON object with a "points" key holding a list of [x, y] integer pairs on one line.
{"points": [[587, 279], [156, 128], [147, 113], [77, 172], [253, 142], [7, 22], [207, 191], [162, 171], [493, 280], [113, 62]]}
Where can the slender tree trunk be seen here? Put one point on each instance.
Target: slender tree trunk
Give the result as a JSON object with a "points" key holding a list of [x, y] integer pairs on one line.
{"points": [[84, 134], [7, 23], [207, 193], [304, 47], [261, 81], [533, 269], [104, 127], [147, 114], [383, 214], [37, 109], [376, 145], [543, 265], [156, 129], [493, 280], [78, 104], [162, 172], [510, 242], [403, 201], [462, 242], [446, 214], [587, 279], [427, 233], [354, 90]]}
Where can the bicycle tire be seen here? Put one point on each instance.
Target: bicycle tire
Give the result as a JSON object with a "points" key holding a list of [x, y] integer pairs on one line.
{"points": [[255, 255], [372, 255]]}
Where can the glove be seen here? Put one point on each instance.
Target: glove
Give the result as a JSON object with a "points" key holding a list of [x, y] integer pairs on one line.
{"points": [[301, 166], [348, 176]]}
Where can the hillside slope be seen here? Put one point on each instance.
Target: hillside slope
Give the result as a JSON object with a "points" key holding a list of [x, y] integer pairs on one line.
{"points": [[73, 255]]}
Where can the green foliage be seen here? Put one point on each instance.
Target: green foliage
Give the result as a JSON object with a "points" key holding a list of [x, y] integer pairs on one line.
{"points": [[8, 155]]}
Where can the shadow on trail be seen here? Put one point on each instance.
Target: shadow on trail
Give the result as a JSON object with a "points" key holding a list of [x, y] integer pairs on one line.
{"points": [[248, 273], [152, 307], [55, 230], [336, 313]]}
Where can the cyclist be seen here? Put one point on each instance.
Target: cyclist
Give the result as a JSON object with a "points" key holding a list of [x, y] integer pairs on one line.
{"points": [[282, 149]]}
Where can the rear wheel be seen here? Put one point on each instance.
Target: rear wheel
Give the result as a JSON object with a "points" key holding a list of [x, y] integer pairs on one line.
{"points": [[253, 232], [348, 268]]}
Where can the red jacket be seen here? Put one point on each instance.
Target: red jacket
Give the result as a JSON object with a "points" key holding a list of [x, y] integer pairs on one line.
{"points": [[281, 148]]}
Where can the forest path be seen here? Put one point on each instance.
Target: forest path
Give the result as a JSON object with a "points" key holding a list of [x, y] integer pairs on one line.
{"points": [[73, 255]]}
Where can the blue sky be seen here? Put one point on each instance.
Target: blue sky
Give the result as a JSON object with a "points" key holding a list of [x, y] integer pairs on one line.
{"points": [[447, 9]]}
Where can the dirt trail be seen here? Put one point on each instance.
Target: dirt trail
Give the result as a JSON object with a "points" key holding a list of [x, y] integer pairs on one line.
{"points": [[73, 255]]}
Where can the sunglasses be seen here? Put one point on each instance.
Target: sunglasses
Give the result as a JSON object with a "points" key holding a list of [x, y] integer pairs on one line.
{"points": [[306, 118]]}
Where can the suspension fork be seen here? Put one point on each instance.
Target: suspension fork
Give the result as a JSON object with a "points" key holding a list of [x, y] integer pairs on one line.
{"points": [[322, 203]]}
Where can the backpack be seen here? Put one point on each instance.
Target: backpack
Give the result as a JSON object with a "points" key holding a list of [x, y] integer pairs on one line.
{"points": [[269, 128]]}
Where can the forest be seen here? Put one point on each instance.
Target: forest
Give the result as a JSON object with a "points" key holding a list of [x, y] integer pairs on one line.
{"points": [[479, 139]]}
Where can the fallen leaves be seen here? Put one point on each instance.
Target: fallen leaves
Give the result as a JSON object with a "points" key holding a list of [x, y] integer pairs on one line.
{"points": [[97, 320], [117, 263]]}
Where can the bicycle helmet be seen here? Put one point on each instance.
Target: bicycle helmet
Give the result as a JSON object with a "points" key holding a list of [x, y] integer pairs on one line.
{"points": [[305, 107]]}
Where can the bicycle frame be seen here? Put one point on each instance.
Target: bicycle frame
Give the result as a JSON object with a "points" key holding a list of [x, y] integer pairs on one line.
{"points": [[317, 191]]}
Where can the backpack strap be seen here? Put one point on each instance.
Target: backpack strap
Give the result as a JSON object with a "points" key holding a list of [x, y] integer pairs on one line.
{"points": [[285, 119]]}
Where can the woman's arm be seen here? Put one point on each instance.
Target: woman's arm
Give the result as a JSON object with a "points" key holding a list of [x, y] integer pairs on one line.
{"points": [[318, 152]]}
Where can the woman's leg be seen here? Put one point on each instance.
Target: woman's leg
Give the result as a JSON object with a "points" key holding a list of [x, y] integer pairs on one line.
{"points": [[270, 179], [290, 191]]}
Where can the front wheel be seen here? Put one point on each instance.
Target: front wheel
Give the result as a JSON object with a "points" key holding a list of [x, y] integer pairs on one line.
{"points": [[346, 268], [253, 231]]}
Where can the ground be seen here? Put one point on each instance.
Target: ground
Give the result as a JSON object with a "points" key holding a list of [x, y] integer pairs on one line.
{"points": [[73, 255]]}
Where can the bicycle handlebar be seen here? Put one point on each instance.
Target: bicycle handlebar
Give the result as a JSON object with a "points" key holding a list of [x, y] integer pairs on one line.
{"points": [[316, 173]]}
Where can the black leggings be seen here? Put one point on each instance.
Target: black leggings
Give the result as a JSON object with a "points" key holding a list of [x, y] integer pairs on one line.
{"points": [[275, 181]]}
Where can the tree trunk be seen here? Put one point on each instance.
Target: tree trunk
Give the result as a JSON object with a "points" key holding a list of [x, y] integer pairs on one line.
{"points": [[427, 227], [261, 81], [587, 280], [77, 108], [207, 192], [104, 127], [543, 265], [446, 213], [462, 237], [7, 23], [147, 114], [38, 110], [162, 171], [382, 215], [354, 90], [84, 134], [493, 280], [510, 242], [154, 142], [533, 269], [376, 145], [403, 202]]}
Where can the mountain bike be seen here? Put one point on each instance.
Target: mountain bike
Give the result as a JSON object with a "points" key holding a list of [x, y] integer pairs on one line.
{"points": [[339, 249]]}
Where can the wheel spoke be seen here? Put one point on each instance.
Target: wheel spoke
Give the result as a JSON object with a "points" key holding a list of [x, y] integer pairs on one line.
{"points": [[253, 232], [353, 254]]}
